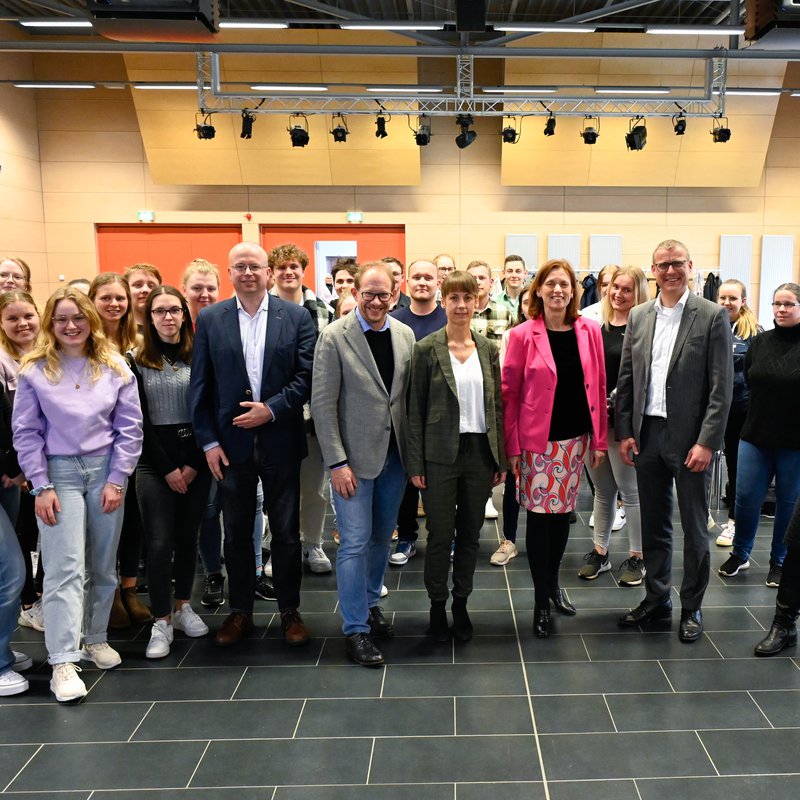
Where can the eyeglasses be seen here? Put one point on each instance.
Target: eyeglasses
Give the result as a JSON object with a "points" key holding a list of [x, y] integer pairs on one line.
{"points": [[20, 279], [665, 265], [175, 311], [62, 322], [242, 268], [787, 306], [384, 297]]}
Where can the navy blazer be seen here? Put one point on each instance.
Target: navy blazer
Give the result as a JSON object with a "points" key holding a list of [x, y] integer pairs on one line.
{"points": [[219, 381]]}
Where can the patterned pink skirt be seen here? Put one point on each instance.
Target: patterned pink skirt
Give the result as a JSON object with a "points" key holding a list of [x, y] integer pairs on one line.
{"points": [[548, 482]]}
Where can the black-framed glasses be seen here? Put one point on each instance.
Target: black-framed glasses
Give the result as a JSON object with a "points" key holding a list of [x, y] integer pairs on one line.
{"points": [[174, 311], [787, 306], [384, 297], [678, 263]]}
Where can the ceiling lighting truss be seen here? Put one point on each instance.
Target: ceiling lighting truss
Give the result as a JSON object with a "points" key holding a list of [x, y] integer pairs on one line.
{"points": [[707, 101]]}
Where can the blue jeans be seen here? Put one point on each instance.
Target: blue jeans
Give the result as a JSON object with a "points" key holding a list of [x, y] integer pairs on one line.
{"points": [[757, 467], [366, 522], [12, 579], [80, 557]]}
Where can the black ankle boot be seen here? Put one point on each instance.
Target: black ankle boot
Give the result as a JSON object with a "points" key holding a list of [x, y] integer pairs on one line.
{"points": [[439, 629], [541, 622], [462, 625], [782, 634]]}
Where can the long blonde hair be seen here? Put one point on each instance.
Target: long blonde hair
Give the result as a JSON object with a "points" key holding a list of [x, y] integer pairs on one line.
{"points": [[6, 299], [127, 335], [99, 350], [746, 326], [640, 292]]}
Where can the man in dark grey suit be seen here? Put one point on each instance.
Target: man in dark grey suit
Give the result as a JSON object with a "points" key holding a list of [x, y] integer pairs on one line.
{"points": [[673, 395]]}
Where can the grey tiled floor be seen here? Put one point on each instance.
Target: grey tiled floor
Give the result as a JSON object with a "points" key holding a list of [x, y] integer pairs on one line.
{"points": [[594, 711]]}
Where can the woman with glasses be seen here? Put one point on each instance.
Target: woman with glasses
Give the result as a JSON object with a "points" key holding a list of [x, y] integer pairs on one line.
{"points": [[172, 478], [78, 434], [770, 441], [15, 274]]}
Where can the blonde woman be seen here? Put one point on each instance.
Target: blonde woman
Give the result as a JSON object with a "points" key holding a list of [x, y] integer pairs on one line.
{"points": [[141, 279], [200, 286], [111, 296], [15, 274], [78, 433]]}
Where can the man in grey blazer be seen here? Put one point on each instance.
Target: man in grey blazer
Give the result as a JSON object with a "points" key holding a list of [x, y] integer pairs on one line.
{"points": [[673, 395], [358, 401]]}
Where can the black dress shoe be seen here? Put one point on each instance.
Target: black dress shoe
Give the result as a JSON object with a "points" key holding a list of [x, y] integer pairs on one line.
{"points": [[541, 622], [361, 649], [462, 624], [562, 603], [691, 625], [438, 628], [643, 614], [379, 626]]}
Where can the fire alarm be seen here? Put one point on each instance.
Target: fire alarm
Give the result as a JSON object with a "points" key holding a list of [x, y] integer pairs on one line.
{"points": [[248, 216]]}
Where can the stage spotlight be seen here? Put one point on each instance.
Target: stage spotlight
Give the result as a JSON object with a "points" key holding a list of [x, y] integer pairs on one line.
{"points": [[247, 124], [204, 129], [510, 135], [589, 133], [380, 127], [422, 135], [298, 130], [339, 130], [679, 124], [719, 132], [550, 126], [636, 138], [466, 137]]}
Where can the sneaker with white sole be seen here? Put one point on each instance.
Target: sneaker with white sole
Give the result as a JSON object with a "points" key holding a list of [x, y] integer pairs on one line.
{"points": [[725, 538], [12, 683], [315, 559], [65, 683], [733, 566], [774, 576], [620, 520], [595, 565], [32, 617], [632, 572], [384, 591], [402, 552], [160, 639], [504, 553], [187, 620], [490, 511], [21, 661], [102, 654]]}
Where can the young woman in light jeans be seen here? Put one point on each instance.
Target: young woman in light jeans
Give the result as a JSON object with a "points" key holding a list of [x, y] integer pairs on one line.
{"points": [[78, 433]]}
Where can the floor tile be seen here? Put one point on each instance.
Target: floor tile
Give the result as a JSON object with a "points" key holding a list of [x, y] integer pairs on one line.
{"points": [[460, 680], [782, 707], [256, 793], [411, 791], [470, 758], [753, 752], [588, 790], [569, 714], [399, 650], [566, 647], [167, 684], [624, 755], [732, 675], [487, 650], [13, 758], [510, 791], [252, 653], [776, 787], [484, 716], [740, 644], [280, 762], [646, 645], [133, 765], [212, 719], [590, 678], [267, 683]]}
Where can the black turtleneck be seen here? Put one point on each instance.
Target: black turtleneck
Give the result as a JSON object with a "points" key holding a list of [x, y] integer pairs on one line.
{"points": [[772, 372], [380, 343]]}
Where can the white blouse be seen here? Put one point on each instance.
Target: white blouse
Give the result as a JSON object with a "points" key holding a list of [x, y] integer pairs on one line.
{"points": [[469, 383]]}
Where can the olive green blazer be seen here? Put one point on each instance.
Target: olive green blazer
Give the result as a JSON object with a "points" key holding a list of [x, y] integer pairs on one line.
{"points": [[433, 411]]}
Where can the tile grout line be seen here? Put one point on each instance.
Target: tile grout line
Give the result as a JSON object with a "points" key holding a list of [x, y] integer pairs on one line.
{"points": [[714, 646], [588, 654], [708, 755], [669, 682], [455, 715], [139, 725], [608, 708], [760, 709], [186, 655], [238, 684], [19, 771], [299, 717], [747, 609], [636, 786], [383, 682], [321, 650], [369, 764], [197, 765]]}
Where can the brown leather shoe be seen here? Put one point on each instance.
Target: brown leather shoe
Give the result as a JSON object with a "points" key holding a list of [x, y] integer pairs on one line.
{"points": [[137, 610], [295, 632], [234, 629], [119, 614]]}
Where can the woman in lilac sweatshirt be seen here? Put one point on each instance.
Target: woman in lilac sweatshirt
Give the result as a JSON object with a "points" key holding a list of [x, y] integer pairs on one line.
{"points": [[78, 434]]}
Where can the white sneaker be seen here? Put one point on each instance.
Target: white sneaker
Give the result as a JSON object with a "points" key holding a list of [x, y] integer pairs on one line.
{"points": [[591, 520], [160, 639], [315, 559], [65, 683], [725, 538], [384, 591], [268, 567], [491, 511], [711, 522], [21, 661], [620, 519], [504, 553], [12, 683], [32, 617], [102, 654], [188, 621]]}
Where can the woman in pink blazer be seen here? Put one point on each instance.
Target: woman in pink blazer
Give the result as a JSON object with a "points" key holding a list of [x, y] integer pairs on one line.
{"points": [[554, 396]]}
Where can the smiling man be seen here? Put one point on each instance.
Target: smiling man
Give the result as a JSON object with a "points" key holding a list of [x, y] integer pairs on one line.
{"points": [[514, 276], [673, 394]]}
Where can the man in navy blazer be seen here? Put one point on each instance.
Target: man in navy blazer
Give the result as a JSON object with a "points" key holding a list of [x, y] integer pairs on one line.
{"points": [[251, 375]]}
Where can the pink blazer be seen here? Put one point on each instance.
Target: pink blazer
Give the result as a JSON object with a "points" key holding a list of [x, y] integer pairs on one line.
{"points": [[529, 385]]}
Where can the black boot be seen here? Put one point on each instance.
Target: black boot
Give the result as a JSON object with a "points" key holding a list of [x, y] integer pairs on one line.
{"points": [[782, 634], [541, 621], [462, 625], [439, 629]]}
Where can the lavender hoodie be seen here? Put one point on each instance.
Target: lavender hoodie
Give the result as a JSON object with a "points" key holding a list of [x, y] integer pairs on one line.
{"points": [[99, 419]]}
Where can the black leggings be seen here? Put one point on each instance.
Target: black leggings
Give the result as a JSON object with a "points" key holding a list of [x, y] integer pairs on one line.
{"points": [[789, 588], [28, 535], [545, 540]]}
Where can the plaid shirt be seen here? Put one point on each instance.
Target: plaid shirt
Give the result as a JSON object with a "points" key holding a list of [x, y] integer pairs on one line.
{"points": [[492, 322], [321, 312]]}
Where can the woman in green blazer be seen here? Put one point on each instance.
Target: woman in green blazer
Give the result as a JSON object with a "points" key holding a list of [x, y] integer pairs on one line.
{"points": [[456, 450]]}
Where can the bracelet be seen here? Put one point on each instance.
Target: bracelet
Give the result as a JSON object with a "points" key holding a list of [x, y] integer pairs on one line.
{"points": [[117, 486], [36, 492]]}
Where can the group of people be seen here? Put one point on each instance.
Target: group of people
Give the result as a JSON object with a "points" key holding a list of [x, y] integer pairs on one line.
{"points": [[140, 411]]}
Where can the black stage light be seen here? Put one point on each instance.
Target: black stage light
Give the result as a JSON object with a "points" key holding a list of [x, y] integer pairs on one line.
{"points": [[589, 133], [298, 130], [466, 137], [205, 130], [339, 131], [636, 138], [719, 132], [510, 135], [380, 127], [422, 136], [247, 124], [550, 126], [679, 124]]}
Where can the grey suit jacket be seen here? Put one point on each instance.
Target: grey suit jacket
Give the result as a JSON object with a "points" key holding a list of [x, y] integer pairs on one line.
{"points": [[433, 410], [352, 411], [699, 380]]}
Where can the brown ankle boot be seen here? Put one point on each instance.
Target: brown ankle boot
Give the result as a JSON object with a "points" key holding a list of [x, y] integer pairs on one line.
{"points": [[137, 610], [119, 616]]}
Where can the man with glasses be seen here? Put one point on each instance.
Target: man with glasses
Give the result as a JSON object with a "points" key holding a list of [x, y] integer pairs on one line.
{"points": [[673, 394], [361, 373], [251, 375]]}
